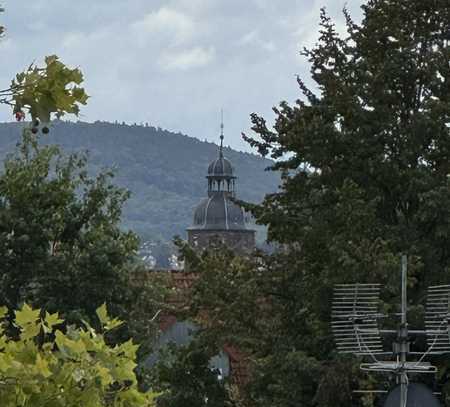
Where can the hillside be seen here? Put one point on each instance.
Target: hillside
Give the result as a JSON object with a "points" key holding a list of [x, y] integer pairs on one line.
{"points": [[164, 171]]}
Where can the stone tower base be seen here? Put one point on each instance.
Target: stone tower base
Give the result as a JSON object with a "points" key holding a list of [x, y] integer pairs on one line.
{"points": [[241, 241]]}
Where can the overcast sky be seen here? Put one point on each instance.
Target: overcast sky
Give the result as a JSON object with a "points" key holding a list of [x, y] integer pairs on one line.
{"points": [[172, 63]]}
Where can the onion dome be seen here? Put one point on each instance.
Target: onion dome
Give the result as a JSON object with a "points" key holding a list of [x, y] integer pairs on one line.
{"points": [[220, 167], [219, 211]]}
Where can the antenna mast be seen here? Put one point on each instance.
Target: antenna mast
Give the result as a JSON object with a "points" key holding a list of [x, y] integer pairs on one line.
{"points": [[355, 319], [403, 343]]}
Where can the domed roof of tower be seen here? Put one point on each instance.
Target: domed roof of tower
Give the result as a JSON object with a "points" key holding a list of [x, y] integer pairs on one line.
{"points": [[220, 167], [218, 212]]}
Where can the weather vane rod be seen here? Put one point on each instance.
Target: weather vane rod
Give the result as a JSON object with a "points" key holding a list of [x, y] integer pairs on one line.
{"points": [[221, 132]]}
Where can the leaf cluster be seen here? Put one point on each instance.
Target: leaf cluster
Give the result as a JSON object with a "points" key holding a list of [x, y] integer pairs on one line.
{"points": [[54, 89], [50, 366]]}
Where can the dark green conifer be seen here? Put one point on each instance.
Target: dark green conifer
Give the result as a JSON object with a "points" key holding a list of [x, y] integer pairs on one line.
{"points": [[365, 158]]}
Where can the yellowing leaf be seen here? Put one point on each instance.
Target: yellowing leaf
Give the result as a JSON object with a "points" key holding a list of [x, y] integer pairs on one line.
{"points": [[26, 316], [53, 89], [105, 320], [129, 349], [105, 375], [125, 371], [30, 331], [42, 366], [52, 319], [114, 323], [102, 314]]}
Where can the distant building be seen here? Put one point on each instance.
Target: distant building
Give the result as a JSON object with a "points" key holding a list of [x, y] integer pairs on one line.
{"points": [[217, 218]]}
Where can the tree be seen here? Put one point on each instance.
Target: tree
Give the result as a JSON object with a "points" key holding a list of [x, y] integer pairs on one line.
{"points": [[239, 302], [185, 378], [61, 245], [365, 164], [364, 160], [49, 366]]}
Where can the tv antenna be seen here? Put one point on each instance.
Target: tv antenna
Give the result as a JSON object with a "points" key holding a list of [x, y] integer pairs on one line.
{"points": [[355, 318]]}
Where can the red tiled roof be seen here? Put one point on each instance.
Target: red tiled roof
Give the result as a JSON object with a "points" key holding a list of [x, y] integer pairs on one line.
{"points": [[238, 365]]}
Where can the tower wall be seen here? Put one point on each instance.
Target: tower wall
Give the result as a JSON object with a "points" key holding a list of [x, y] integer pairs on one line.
{"points": [[241, 241], [218, 219]]}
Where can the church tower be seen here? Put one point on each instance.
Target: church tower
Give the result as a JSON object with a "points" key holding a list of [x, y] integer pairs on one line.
{"points": [[217, 219]]}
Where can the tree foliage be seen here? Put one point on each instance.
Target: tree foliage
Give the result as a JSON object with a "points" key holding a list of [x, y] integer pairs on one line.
{"points": [[61, 244], [184, 377], [249, 304], [50, 366], [364, 158]]}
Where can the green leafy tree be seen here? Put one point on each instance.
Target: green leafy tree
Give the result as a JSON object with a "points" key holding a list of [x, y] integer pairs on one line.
{"points": [[364, 159], [48, 366], [365, 164], [242, 303], [60, 239], [222, 293], [185, 378], [61, 244]]}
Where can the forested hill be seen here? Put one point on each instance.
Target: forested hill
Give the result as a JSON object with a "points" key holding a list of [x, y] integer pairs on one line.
{"points": [[164, 171]]}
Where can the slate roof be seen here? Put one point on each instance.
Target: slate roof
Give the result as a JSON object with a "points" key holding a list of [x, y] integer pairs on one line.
{"points": [[220, 167], [218, 212]]}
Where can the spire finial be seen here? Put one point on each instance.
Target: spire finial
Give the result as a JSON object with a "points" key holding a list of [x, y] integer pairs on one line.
{"points": [[221, 134]]}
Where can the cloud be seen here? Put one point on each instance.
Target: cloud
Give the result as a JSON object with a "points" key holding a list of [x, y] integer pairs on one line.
{"points": [[6, 44], [73, 39], [172, 63], [249, 38], [253, 38], [187, 59], [165, 23]]}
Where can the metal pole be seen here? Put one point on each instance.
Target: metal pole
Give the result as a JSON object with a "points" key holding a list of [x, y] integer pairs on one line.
{"points": [[404, 335], [404, 293]]}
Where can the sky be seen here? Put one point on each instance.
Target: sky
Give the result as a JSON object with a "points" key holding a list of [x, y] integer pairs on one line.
{"points": [[175, 63]]}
